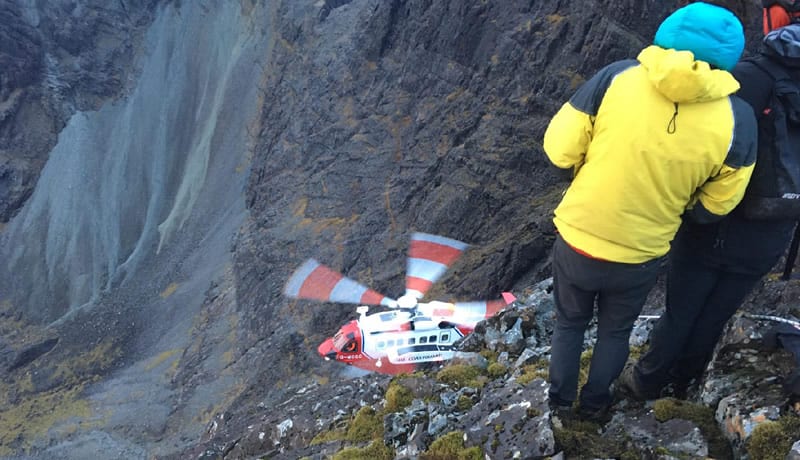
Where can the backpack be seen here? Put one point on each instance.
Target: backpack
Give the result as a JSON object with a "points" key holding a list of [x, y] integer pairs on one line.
{"points": [[774, 189]]}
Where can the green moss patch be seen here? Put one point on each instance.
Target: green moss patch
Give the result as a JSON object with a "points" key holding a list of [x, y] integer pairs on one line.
{"points": [[530, 372], [581, 439], [462, 375], [702, 416], [772, 440], [398, 397], [376, 450], [34, 415], [451, 446], [48, 396], [496, 370], [367, 425]]}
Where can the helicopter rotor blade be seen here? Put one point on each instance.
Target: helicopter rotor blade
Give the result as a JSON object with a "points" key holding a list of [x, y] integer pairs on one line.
{"points": [[315, 281], [470, 311], [429, 257]]}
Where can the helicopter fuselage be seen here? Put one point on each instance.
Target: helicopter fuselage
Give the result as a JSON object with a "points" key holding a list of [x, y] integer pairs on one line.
{"points": [[395, 341]]}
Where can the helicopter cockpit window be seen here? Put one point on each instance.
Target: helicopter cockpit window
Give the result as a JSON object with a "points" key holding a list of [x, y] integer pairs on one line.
{"points": [[346, 343], [445, 337]]}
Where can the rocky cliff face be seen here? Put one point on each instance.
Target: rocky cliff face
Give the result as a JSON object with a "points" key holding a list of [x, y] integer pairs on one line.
{"points": [[297, 129], [59, 57]]}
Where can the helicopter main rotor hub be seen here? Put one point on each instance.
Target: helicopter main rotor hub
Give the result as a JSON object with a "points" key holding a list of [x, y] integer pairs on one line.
{"points": [[407, 301]]}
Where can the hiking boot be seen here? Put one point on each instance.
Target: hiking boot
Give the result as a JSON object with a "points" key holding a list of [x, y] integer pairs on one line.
{"points": [[600, 415], [629, 388], [561, 412]]}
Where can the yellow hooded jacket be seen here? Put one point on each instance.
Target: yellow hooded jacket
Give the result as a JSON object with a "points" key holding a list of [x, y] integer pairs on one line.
{"points": [[649, 139]]}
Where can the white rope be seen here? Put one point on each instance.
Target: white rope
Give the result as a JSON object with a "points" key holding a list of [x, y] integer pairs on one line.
{"points": [[774, 318], [747, 315]]}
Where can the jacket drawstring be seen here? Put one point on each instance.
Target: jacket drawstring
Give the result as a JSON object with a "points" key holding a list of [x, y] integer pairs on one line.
{"points": [[673, 121]]}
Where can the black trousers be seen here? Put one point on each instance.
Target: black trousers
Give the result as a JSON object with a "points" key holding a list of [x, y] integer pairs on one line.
{"points": [[620, 291], [700, 300]]}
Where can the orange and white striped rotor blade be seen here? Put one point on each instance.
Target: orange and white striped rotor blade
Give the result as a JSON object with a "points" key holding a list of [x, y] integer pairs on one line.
{"points": [[478, 310], [315, 281], [429, 257]]}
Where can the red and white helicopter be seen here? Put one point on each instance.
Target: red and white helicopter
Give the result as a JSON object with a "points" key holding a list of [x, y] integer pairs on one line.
{"points": [[393, 341]]}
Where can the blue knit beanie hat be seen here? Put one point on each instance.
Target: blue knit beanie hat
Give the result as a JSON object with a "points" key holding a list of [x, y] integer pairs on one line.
{"points": [[712, 33]]}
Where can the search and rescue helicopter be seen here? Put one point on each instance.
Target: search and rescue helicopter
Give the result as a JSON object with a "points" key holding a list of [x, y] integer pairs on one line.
{"points": [[394, 341]]}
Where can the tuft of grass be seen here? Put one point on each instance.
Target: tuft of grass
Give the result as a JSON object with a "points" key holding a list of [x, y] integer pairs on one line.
{"points": [[772, 440], [583, 373], [462, 375], [397, 397], [451, 446], [581, 439], [367, 425], [490, 355], [496, 370], [637, 351], [530, 372], [328, 436], [376, 450], [464, 403]]}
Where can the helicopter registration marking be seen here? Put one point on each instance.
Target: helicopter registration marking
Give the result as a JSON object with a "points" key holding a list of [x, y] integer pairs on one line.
{"points": [[350, 357]]}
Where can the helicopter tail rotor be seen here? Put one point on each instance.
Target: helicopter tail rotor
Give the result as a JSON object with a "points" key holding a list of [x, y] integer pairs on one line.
{"points": [[315, 281]]}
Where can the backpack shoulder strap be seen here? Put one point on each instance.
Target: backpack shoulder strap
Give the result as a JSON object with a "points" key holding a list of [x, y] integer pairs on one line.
{"points": [[771, 68]]}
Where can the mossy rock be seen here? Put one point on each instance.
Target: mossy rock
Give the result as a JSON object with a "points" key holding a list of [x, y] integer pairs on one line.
{"points": [[702, 416]]}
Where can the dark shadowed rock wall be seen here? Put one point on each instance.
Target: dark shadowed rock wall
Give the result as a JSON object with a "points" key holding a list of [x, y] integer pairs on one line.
{"points": [[404, 116]]}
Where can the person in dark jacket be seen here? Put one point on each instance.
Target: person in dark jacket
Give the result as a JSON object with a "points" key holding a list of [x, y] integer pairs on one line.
{"points": [[713, 267]]}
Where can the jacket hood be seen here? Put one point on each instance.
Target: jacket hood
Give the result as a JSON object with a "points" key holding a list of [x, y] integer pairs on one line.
{"points": [[784, 45], [711, 32], [681, 78]]}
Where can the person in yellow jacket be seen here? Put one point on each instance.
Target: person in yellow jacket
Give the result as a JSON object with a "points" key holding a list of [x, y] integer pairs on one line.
{"points": [[650, 141]]}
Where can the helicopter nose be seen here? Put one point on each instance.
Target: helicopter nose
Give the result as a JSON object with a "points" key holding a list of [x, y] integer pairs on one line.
{"points": [[326, 349]]}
